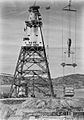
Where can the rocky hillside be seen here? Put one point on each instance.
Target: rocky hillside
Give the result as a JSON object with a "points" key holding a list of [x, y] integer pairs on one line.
{"points": [[5, 79], [74, 79]]}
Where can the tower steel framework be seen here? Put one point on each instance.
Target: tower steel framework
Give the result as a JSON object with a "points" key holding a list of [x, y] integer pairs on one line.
{"points": [[32, 74]]}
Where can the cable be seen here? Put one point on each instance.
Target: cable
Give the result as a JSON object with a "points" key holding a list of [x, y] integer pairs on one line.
{"points": [[34, 3], [63, 58], [62, 44], [69, 17], [69, 24], [75, 42], [48, 38], [75, 36], [62, 39]]}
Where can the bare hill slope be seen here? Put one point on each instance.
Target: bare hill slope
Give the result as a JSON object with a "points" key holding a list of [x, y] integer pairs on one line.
{"points": [[74, 79]]}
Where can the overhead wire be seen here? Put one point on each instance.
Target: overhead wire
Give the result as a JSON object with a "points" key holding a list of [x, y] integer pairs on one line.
{"points": [[69, 24], [48, 39], [48, 30], [62, 18], [75, 34], [75, 40], [62, 44], [69, 19]]}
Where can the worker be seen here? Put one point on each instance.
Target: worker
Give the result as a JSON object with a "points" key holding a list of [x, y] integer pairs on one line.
{"points": [[69, 46]]}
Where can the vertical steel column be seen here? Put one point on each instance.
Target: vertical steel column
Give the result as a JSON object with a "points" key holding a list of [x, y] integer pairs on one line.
{"points": [[49, 76]]}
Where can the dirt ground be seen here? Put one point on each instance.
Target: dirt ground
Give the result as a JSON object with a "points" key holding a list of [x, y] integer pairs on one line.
{"points": [[32, 107]]}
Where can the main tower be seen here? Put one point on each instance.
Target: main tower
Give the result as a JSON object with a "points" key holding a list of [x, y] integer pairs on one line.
{"points": [[32, 74]]}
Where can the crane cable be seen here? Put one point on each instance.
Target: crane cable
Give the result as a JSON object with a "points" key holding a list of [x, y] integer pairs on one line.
{"points": [[75, 38], [69, 35], [62, 44], [47, 42], [64, 58]]}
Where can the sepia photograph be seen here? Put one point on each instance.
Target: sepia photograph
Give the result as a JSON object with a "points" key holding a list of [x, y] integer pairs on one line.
{"points": [[41, 59]]}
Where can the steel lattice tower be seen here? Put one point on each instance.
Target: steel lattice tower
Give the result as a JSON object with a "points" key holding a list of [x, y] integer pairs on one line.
{"points": [[32, 73]]}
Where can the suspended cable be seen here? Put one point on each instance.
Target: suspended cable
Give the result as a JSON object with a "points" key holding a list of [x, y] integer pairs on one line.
{"points": [[47, 46], [62, 51], [75, 40], [68, 10], [34, 3], [69, 17], [48, 41], [62, 44], [71, 64], [75, 36]]}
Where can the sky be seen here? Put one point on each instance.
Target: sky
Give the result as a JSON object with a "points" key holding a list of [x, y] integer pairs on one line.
{"points": [[55, 30]]}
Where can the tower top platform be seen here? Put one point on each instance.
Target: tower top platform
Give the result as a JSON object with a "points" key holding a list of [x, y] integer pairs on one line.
{"points": [[34, 8], [32, 48]]}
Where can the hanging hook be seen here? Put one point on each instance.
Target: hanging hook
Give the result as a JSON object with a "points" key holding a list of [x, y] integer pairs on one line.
{"points": [[68, 7], [70, 3]]}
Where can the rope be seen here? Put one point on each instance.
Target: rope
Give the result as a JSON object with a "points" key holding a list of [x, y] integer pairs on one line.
{"points": [[48, 38], [34, 2], [75, 36], [68, 28], [69, 36], [62, 39], [72, 63], [69, 17], [75, 41], [62, 45], [50, 4], [48, 44]]}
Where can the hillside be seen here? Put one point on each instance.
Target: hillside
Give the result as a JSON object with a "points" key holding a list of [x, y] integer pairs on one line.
{"points": [[75, 79], [5, 79]]}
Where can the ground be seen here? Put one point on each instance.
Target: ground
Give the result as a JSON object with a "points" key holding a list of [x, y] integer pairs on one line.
{"points": [[42, 108]]}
